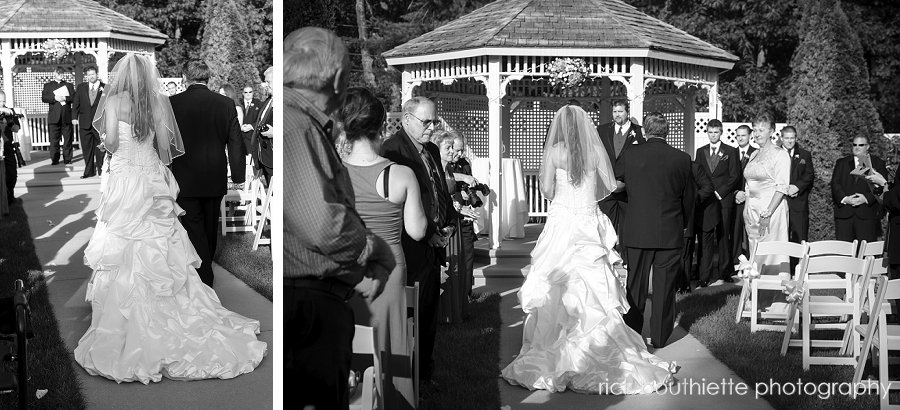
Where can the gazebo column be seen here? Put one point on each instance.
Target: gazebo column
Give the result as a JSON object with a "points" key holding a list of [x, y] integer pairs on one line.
{"points": [[495, 107], [505, 115], [102, 58], [715, 107], [7, 62], [407, 84], [636, 89], [689, 110]]}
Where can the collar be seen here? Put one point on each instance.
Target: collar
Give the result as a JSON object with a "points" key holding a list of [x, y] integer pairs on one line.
{"points": [[744, 149], [624, 127], [248, 102], [293, 98], [715, 146]]}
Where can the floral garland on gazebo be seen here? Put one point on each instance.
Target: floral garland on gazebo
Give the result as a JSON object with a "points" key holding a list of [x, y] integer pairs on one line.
{"points": [[56, 48], [568, 72]]}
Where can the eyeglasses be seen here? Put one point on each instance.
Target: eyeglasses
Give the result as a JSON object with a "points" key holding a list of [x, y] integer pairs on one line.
{"points": [[860, 145], [427, 123]]}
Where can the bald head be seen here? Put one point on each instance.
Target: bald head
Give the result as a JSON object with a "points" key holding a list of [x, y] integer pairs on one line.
{"points": [[313, 58]]}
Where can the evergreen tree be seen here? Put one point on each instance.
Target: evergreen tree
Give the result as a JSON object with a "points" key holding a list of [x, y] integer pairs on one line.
{"points": [[829, 101], [226, 46]]}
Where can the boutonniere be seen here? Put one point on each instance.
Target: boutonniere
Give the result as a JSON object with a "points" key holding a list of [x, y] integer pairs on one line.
{"points": [[635, 142], [722, 156], [100, 89]]}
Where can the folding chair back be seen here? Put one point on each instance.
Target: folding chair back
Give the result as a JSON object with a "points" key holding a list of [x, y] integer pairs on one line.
{"points": [[364, 344], [875, 249], [412, 332], [751, 286], [838, 248], [882, 336]]}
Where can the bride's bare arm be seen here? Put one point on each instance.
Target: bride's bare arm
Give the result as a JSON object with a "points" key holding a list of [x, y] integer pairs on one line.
{"points": [[548, 178], [111, 120]]}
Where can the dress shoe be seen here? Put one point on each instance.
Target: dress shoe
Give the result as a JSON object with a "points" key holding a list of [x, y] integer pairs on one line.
{"points": [[54, 163], [67, 162], [86, 176], [719, 282]]}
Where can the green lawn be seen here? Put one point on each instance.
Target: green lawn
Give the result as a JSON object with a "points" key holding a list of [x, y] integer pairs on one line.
{"points": [[50, 363]]}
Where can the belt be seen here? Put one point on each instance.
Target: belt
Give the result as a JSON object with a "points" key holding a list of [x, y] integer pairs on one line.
{"points": [[337, 288]]}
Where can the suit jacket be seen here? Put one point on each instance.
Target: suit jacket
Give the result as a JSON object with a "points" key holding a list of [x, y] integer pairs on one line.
{"points": [[82, 109], [57, 112], [261, 144], [704, 186], [607, 134], [209, 126], [725, 180], [844, 184], [802, 175], [742, 182], [251, 115], [892, 205], [660, 186]]}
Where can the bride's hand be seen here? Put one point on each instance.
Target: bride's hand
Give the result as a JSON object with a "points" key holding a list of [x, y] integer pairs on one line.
{"points": [[763, 225]]}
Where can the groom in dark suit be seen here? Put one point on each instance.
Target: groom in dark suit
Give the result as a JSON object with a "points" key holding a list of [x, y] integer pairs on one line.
{"points": [[84, 106], [721, 162], [410, 147], [660, 186], [59, 116], [618, 136], [208, 125]]}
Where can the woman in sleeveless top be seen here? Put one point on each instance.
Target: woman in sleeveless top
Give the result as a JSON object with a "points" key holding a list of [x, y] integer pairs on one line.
{"points": [[387, 199]]}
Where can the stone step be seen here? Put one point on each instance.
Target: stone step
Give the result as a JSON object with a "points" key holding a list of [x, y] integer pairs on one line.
{"points": [[508, 269], [494, 256]]}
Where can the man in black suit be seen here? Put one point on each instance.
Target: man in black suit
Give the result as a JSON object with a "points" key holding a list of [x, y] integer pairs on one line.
{"points": [[410, 147], [261, 141], [618, 136], [251, 105], [660, 187], [84, 106], [739, 234], [892, 206], [703, 186], [59, 116], [722, 164], [208, 125], [802, 175], [857, 213]]}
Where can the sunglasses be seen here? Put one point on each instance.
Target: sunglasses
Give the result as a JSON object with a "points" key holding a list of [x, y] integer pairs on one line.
{"points": [[248, 92], [426, 123], [860, 145]]}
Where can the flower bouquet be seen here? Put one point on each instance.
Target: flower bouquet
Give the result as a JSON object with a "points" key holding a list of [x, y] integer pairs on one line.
{"points": [[568, 72], [56, 48]]}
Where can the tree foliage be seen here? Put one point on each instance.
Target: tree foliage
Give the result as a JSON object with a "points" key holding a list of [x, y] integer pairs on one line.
{"points": [[829, 101], [225, 47]]}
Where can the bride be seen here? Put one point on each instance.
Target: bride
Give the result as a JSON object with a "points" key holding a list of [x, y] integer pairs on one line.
{"points": [[574, 336], [152, 316]]}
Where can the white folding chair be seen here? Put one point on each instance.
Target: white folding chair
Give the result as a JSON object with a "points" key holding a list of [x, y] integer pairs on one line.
{"points": [[753, 284], [364, 397], [875, 249], [824, 306], [835, 248], [264, 212], [864, 297], [882, 336], [412, 332]]}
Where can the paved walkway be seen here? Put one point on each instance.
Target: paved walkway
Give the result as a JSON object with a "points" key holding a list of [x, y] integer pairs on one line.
{"points": [[60, 209], [698, 368]]}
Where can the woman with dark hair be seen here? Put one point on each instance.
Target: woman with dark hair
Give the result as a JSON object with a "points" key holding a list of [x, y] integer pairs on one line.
{"points": [[387, 199], [229, 91]]}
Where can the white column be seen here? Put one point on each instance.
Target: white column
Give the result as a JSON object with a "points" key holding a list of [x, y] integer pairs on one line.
{"points": [[636, 89], [406, 87], [715, 107], [495, 96], [103, 60], [7, 62]]}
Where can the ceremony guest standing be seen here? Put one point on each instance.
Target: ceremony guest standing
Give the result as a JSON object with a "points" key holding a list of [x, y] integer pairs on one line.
{"points": [[617, 136], [58, 94], [739, 234], [660, 187], [327, 249], [8, 132], [84, 106], [209, 126], [171, 88], [857, 213], [892, 206], [767, 178], [229, 91], [251, 106], [723, 165], [704, 188], [388, 201], [802, 175], [261, 141], [410, 146]]}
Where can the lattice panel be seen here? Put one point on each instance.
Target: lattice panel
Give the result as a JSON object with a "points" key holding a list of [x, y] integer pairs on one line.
{"points": [[392, 123], [678, 71], [528, 127], [729, 131], [673, 111], [27, 87], [469, 117]]}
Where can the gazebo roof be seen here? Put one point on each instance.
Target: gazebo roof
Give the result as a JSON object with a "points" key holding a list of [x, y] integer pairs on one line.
{"points": [[78, 18], [559, 24]]}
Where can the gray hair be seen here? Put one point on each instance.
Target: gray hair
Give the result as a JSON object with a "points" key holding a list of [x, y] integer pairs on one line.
{"points": [[412, 104], [312, 58]]}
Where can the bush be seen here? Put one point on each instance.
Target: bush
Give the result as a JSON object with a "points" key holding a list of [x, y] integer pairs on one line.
{"points": [[226, 46], [829, 102]]}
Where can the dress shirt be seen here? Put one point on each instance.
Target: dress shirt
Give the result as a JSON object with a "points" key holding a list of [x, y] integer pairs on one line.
{"points": [[744, 151], [623, 129], [323, 234], [714, 148]]}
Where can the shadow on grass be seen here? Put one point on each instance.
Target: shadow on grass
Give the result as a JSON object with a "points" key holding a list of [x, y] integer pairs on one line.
{"points": [[756, 358], [466, 356], [49, 362], [235, 254]]}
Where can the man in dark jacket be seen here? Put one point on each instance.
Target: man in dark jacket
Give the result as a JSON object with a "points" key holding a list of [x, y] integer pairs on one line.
{"points": [[58, 95], [857, 212]]}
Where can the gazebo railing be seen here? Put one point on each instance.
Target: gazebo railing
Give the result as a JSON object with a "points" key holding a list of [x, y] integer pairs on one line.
{"points": [[538, 206], [37, 128]]}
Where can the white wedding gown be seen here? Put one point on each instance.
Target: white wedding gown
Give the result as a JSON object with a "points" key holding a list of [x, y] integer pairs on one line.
{"points": [[574, 336], [152, 316]]}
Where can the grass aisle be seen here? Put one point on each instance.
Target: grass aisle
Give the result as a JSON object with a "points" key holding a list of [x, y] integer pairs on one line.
{"points": [[466, 356], [756, 358], [49, 362], [235, 254]]}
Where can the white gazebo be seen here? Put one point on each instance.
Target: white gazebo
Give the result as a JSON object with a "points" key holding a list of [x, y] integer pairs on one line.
{"points": [[487, 73], [97, 35]]}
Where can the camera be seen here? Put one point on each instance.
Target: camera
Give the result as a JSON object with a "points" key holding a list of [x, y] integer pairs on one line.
{"points": [[11, 115], [472, 191], [19, 159]]}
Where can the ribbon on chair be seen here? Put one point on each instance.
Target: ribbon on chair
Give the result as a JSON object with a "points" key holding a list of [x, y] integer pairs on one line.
{"points": [[793, 289], [746, 270]]}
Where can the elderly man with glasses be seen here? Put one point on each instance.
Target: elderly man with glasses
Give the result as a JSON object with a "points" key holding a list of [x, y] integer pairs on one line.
{"points": [[411, 146], [857, 213], [251, 105]]}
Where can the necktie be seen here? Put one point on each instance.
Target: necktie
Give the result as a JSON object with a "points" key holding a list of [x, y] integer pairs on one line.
{"points": [[437, 207], [93, 93], [619, 141]]}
